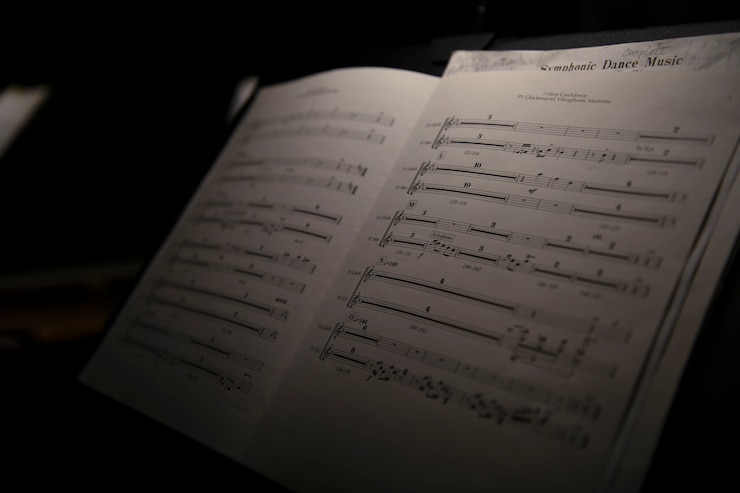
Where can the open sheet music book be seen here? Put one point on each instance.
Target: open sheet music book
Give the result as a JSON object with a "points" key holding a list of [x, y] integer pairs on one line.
{"points": [[402, 282]]}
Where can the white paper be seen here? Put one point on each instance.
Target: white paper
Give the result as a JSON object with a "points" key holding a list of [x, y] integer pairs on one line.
{"points": [[395, 281], [513, 277], [695, 53]]}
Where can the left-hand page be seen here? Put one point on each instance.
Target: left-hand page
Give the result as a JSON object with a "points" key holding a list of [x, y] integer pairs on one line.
{"points": [[205, 335]]}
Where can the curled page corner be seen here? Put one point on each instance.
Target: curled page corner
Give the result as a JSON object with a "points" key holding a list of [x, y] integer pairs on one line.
{"points": [[18, 104], [245, 88]]}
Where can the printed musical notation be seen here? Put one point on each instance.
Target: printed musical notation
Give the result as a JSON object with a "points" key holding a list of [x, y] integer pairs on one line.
{"points": [[649, 260], [370, 136], [552, 357], [228, 381], [268, 227], [584, 407], [581, 326], [334, 114], [532, 418], [585, 132], [210, 296], [266, 277], [207, 346], [556, 183], [330, 184], [488, 335], [522, 265], [338, 166], [541, 151], [297, 262], [243, 207], [229, 321], [600, 213]]}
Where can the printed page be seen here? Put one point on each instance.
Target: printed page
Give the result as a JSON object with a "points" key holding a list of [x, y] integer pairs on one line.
{"points": [[209, 328], [492, 326], [700, 283], [703, 271], [710, 52]]}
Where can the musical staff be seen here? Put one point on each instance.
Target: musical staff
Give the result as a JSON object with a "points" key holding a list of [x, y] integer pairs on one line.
{"points": [[599, 213], [330, 184], [552, 358], [585, 132], [299, 263], [532, 418], [227, 321], [555, 183], [521, 265], [326, 131], [242, 207], [268, 227], [266, 277], [213, 294], [226, 380], [649, 260], [339, 166], [201, 344], [615, 334], [541, 151], [524, 312], [335, 114]]}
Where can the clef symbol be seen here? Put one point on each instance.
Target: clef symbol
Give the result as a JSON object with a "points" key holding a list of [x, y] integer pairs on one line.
{"points": [[354, 300], [338, 330], [368, 274], [326, 353]]}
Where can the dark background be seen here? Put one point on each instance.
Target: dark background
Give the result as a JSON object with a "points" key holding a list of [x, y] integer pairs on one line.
{"points": [[140, 94], [136, 115]]}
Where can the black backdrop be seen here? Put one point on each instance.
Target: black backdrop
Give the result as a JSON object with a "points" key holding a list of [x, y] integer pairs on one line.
{"points": [[140, 95]]}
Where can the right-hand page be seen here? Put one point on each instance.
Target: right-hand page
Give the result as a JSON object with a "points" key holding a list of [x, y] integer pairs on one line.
{"points": [[496, 320], [703, 274]]}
